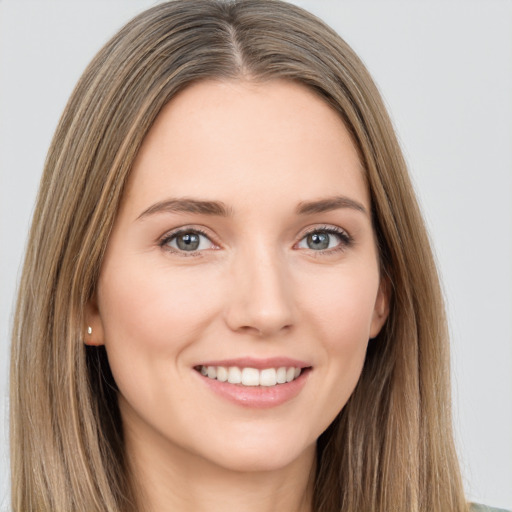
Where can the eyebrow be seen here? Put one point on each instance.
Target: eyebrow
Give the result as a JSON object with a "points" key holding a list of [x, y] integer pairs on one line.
{"points": [[187, 205], [218, 208], [328, 204]]}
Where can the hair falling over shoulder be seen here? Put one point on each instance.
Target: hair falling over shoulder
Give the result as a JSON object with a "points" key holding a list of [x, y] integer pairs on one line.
{"points": [[391, 447]]}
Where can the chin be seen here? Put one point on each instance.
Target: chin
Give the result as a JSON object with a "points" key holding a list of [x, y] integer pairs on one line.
{"points": [[265, 456]]}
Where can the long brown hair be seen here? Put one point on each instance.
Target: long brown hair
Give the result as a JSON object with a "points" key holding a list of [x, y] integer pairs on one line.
{"points": [[391, 447]]}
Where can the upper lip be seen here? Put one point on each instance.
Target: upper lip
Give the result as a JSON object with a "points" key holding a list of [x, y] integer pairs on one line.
{"points": [[258, 363]]}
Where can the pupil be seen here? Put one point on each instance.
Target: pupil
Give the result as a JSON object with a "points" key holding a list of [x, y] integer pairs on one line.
{"points": [[318, 241], [188, 242]]}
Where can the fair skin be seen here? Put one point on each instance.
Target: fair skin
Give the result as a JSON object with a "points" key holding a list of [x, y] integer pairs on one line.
{"points": [[243, 240]]}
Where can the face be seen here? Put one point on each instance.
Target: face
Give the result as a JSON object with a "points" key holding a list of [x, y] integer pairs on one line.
{"points": [[241, 284]]}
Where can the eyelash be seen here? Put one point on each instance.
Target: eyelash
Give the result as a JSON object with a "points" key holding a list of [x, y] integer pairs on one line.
{"points": [[168, 237], [345, 239]]}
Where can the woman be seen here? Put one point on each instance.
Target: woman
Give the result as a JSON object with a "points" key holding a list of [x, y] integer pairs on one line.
{"points": [[228, 298]]}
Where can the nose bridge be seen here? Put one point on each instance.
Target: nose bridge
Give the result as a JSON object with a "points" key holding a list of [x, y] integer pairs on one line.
{"points": [[262, 297]]}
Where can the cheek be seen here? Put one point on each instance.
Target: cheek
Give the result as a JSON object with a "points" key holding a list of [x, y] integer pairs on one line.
{"points": [[342, 309], [155, 300], [150, 317], [345, 335], [341, 315]]}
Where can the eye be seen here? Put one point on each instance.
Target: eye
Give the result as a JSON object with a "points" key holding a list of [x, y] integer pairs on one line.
{"points": [[325, 239], [189, 240]]}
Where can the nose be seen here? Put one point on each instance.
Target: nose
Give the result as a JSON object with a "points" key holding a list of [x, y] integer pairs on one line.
{"points": [[261, 295]]}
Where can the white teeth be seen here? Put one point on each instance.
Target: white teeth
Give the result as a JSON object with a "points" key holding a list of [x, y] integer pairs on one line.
{"points": [[222, 373], [234, 375], [251, 376], [281, 375], [268, 377]]}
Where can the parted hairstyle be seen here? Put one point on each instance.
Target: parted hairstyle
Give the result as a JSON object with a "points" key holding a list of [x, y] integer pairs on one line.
{"points": [[391, 447]]}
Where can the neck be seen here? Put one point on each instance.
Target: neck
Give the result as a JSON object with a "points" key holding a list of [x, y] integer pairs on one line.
{"points": [[168, 478]]}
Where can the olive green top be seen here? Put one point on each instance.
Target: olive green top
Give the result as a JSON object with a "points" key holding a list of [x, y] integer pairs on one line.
{"points": [[482, 508]]}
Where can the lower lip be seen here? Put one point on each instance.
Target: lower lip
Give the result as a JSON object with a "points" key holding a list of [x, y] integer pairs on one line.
{"points": [[258, 397]]}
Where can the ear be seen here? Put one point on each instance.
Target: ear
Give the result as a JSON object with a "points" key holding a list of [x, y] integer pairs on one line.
{"points": [[381, 309], [94, 333]]}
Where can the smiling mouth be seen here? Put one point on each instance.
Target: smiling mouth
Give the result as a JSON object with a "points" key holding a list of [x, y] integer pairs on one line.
{"points": [[251, 377]]}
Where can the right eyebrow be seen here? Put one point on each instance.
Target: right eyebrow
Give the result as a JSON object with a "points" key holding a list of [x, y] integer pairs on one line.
{"points": [[187, 205], [329, 204]]}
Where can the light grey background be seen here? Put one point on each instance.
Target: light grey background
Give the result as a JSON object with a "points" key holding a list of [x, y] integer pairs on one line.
{"points": [[445, 70]]}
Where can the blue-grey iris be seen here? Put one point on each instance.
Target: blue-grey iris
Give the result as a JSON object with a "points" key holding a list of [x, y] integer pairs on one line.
{"points": [[188, 241], [318, 241]]}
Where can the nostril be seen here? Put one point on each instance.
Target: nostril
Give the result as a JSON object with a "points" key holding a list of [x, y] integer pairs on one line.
{"points": [[264, 329]]}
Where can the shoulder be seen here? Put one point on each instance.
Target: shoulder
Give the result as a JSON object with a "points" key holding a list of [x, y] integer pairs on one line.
{"points": [[482, 508]]}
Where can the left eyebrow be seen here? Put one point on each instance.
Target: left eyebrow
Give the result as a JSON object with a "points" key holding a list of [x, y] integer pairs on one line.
{"points": [[187, 205], [328, 204]]}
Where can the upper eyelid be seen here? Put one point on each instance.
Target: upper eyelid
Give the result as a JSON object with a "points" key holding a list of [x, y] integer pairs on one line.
{"points": [[202, 230], [163, 242], [324, 227], [185, 229]]}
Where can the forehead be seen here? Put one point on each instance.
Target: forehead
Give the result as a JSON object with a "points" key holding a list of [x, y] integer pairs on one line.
{"points": [[227, 139]]}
